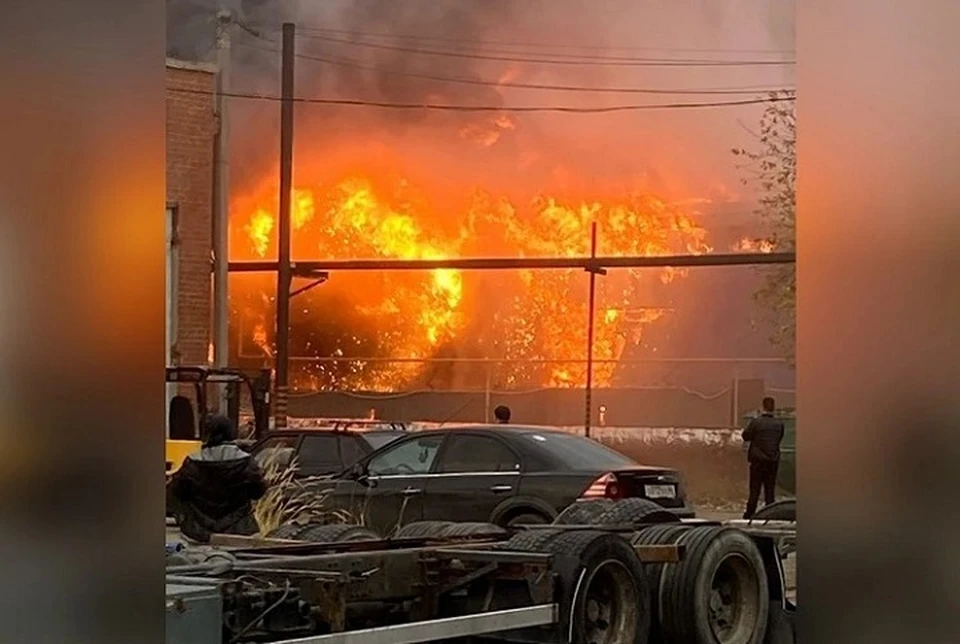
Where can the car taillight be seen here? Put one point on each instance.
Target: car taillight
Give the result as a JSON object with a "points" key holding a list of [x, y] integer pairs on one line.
{"points": [[605, 487]]}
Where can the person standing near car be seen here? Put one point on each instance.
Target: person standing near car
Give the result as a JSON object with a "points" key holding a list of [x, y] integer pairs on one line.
{"points": [[502, 414], [764, 435], [215, 488]]}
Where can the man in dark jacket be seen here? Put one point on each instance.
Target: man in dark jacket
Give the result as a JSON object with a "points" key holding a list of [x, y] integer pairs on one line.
{"points": [[764, 434], [216, 487]]}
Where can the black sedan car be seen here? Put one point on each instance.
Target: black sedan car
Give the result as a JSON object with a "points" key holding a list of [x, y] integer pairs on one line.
{"points": [[498, 474]]}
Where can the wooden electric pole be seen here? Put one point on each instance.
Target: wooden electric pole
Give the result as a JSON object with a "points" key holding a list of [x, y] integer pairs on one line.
{"points": [[221, 214], [283, 225], [591, 320]]}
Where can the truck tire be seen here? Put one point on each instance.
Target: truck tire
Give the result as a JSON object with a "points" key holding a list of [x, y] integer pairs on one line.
{"points": [[657, 535], [529, 540], [285, 531], [333, 533], [604, 594], [783, 510], [718, 593], [422, 529], [583, 512], [473, 529], [525, 518], [634, 512]]}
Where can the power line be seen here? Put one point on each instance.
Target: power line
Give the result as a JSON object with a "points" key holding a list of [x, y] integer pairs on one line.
{"points": [[614, 61], [305, 30], [533, 86], [494, 108]]}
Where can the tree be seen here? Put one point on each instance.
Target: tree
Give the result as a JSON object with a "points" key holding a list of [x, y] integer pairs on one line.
{"points": [[771, 169]]}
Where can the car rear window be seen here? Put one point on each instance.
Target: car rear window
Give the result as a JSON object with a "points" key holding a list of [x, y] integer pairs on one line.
{"points": [[576, 453], [379, 439]]}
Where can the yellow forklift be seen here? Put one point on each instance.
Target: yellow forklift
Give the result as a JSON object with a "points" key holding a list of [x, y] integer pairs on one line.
{"points": [[186, 421]]}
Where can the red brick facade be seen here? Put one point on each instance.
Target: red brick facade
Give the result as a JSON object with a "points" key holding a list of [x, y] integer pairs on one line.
{"points": [[191, 128]]}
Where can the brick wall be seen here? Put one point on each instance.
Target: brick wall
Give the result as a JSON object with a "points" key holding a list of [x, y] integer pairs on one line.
{"points": [[191, 126]]}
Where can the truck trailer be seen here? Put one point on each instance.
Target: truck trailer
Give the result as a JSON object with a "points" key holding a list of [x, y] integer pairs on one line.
{"points": [[649, 579]]}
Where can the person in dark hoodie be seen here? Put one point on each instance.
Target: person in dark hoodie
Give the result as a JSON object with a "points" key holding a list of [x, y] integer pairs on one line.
{"points": [[215, 488], [764, 434]]}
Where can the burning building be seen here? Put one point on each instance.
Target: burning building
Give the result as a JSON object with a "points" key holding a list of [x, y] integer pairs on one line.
{"points": [[375, 182]]}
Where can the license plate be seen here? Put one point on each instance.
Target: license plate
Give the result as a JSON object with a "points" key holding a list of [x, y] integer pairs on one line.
{"points": [[660, 491]]}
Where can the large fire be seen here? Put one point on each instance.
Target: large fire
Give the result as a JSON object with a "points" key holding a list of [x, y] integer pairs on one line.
{"points": [[526, 322]]}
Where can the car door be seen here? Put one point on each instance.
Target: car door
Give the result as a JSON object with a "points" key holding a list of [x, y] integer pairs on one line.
{"points": [[319, 455], [396, 480], [475, 473]]}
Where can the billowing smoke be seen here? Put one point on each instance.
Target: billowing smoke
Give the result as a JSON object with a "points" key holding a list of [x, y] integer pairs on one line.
{"points": [[678, 153]]}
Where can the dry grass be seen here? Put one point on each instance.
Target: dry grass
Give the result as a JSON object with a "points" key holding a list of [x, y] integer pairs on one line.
{"points": [[292, 500]]}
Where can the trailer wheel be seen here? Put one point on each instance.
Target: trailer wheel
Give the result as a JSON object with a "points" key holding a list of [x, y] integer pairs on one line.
{"points": [[718, 594], [635, 511], [473, 529], [604, 593], [333, 533], [529, 540], [583, 512], [783, 510], [655, 536], [285, 531], [422, 529]]}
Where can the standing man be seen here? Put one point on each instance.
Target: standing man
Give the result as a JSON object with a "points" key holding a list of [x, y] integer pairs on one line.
{"points": [[764, 434], [215, 488], [502, 414]]}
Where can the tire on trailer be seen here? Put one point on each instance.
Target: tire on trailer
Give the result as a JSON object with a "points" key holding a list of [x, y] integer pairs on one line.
{"points": [[524, 518], [530, 540], [336, 533], [635, 511], [657, 535], [718, 593], [783, 510], [286, 531], [473, 529], [604, 594], [422, 529], [583, 512]]}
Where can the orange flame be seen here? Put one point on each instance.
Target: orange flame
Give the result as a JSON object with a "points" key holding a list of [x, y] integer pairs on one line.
{"points": [[748, 245], [526, 317]]}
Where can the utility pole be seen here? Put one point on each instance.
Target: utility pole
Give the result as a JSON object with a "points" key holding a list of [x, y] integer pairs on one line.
{"points": [[284, 276], [221, 215], [591, 315]]}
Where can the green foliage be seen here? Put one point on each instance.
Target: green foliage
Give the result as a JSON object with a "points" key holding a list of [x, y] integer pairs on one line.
{"points": [[771, 169]]}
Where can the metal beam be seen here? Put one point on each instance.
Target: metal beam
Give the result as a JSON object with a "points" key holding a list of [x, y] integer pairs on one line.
{"points": [[522, 263], [442, 629]]}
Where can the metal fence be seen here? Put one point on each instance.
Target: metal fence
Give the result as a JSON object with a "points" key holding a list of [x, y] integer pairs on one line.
{"points": [[677, 392]]}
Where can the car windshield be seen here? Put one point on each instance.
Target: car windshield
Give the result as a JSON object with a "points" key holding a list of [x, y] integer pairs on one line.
{"points": [[379, 439], [577, 453]]}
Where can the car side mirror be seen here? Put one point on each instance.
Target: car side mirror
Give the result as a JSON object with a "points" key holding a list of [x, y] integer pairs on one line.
{"points": [[361, 475]]}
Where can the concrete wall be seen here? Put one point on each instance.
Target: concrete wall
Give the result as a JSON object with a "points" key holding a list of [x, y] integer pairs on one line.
{"points": [[191, 128]]}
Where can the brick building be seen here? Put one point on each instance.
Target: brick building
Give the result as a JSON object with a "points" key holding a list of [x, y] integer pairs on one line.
{"points": [[191, 131]]}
